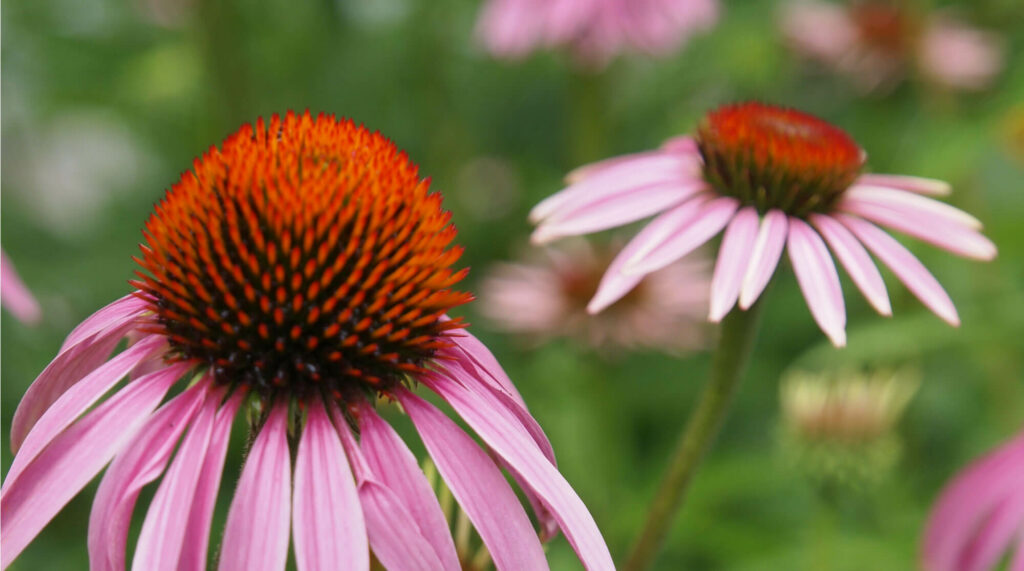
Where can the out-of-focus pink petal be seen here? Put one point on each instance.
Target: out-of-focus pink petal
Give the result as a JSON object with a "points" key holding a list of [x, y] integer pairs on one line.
{"points": [[197, 531], [931, 228], [478, 486], [114, 314], [64, 467], [138, 464], [682, 144], [958, 56], [616, 283], [856, 261], [66, 369], [395, 466], [819, 29], [907, 201], [515, 446], [616, 210], [906, 267], [256, 533], [326, 516], [14, 295], [993, 538], [163, 531], [733, 261], [708, 222], [818, 279], [771, 239], [586, 171], [916, 184], [77, 400]]}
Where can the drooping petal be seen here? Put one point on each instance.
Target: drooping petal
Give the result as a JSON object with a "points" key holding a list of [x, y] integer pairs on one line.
{"points": [[856, 261], [141, 462], [326, 517], [73, 458], [395, 466], [197, 531], [515, 446], [733, 261], [935, 230], [708, 222], [993, 539], [77, 399], [771, 239], [911, 183], [906, 267], [256, 532], [66, 369], [909, 202], [482, 357], [818, 279], [616, 209], [15, 295], [114, 314], [478, 486], [163, 531]]}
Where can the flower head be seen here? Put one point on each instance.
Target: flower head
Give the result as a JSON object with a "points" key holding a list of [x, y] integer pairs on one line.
{"points": [[772, 179], [979, 516], [14, 295], [595, 31], [547, 296], [302, 271]]}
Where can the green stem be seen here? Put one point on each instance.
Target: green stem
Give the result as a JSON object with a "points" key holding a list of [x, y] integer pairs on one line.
{"points": [[588, 117], [728, 364]]}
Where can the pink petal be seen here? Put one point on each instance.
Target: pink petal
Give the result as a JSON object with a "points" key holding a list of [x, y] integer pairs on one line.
{"points": [[163, 531], [256, 533], [515, 446], [396, 468], [733, 261], [77, 400], [64, 467], [911, 183], [326, 516], [586, 171], [479, 487], [14, 295], [197, 530], [818, 279], [993, 539], [616, 209], [114, 314], [771, 239], [708, 222], [906, 267], [616, 283], [910, 202], [856, 261], [394, 536], [925, 226], [66, 369], [621, 177], [681, 144], [481, 356], [141, 462]]}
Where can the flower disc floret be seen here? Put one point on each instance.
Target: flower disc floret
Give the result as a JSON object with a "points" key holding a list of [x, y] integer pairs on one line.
{"points": [[772, 157], [303, 254]]}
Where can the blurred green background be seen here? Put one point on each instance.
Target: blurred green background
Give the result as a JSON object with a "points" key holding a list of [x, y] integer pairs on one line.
{"points": [[105, 103]]}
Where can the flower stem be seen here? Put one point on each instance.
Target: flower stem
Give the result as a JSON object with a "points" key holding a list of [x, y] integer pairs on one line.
{"points": [[736, 341]]}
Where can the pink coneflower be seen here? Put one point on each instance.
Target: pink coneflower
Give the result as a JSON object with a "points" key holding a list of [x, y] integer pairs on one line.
{"points": [[546, 296], [299, 272], [876, 44], [14, 295], [595, 31], [771, 178], [979, 518]]}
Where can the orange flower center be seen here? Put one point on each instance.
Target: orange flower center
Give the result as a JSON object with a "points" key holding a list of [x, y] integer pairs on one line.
{"points": [[772, 157], [302, 255]]}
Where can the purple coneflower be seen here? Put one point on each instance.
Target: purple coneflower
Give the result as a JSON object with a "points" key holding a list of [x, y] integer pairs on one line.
{"points": [[772, 178], [595, 31], [300, 271], [546, 296], [14, 295], [978, 520]]}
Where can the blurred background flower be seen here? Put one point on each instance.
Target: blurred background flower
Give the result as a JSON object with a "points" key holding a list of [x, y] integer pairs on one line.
{"points": [[15, 295], [545, 295]]}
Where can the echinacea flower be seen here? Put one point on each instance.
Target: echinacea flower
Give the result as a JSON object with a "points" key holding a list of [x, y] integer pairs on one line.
{"points": [[595, 31], [547, 297], [773, 179], [876, 44], [978, 519], [300, 272], [14, 295]]}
